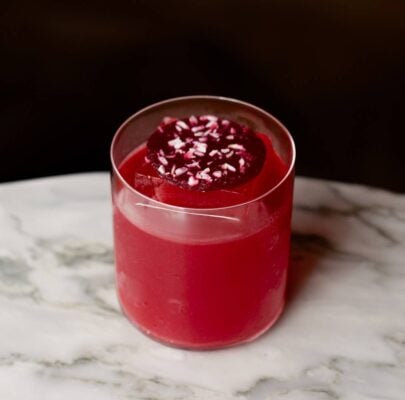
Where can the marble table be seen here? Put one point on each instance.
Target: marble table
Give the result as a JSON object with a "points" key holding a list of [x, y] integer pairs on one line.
{"points": [[62, 336]]}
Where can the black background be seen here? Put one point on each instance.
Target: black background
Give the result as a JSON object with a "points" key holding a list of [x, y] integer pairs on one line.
{"points": [[332, 71]]}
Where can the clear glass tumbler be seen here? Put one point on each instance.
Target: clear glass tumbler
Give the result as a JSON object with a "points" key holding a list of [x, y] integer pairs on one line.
{"points": [[200, 278]]}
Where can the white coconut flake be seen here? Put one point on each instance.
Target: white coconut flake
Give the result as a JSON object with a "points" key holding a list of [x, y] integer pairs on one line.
{"points": [[167, 120], [242, 162], [229, 155], [194, 164], [217, 174], [163, 160], [236, 146], [205, 177], [200, 147], [230, 137], [228, 167], [212, 153], [211, 124], [176, 143], [208, 118], [193, 120], [180, 171], [162, 169], [192, 181], [232, 130], [198, 128], [225, 151], [182, 125], [189, 155], [225, 122]]}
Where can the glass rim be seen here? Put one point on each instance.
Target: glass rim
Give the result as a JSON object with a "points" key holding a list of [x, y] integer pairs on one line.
{"points": [[203, 97]]}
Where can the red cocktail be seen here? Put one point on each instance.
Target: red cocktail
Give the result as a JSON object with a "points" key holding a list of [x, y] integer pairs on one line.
{"points": [[202, 208]]}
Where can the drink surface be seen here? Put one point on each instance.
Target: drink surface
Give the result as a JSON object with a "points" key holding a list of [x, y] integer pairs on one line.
{"points": [[241, 165], [192, 289]]}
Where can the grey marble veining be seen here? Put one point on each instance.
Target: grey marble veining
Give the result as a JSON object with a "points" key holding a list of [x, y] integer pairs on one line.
{"points": [[62, 336]]}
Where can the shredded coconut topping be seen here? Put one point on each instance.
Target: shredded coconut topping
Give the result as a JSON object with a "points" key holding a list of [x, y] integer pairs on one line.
{"points": [[205, 152]]}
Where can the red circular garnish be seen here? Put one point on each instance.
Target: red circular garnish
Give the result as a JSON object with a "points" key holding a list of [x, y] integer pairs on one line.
{"points": [[205, 152]]}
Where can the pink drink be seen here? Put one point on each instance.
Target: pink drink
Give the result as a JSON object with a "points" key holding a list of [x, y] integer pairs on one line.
{"points": [[211, 275]]}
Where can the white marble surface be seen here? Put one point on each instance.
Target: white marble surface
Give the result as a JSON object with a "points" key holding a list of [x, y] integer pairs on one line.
{"points": [[62, 336]]}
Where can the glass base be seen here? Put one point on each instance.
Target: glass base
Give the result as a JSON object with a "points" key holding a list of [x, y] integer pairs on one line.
{"points": [[203, 346]]}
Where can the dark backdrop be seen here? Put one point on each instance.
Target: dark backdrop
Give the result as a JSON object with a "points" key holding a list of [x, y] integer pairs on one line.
{"points": [[332, 71]]}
